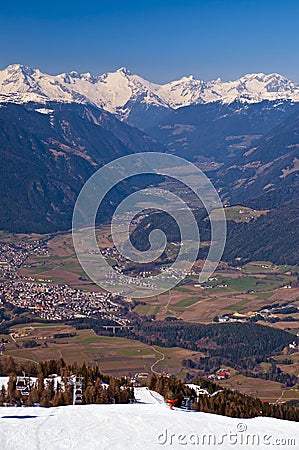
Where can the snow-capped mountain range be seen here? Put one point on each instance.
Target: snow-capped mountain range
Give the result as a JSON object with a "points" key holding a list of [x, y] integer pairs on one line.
{"points": [[117, 91]]}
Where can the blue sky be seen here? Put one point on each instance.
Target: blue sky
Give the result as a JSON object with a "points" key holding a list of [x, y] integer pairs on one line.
{"points": [[160, 40]]}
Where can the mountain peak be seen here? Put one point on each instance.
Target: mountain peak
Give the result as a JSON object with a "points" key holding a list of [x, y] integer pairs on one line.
{"points": [[13, 68], [118, 91], [263, 77], [124, 71], [74, 74]]}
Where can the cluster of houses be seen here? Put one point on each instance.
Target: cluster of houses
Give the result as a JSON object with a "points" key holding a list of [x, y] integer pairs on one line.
{"points": [[44, 299], [268, 313], [236, 317], [221, 374], [59, 302], [13, 256]]}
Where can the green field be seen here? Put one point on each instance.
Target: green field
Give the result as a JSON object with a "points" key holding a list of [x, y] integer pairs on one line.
{"points": [[143, 310], [114, 355], [182, 289], [239, 213], [185, 303], [245, 283], [239, 306]]}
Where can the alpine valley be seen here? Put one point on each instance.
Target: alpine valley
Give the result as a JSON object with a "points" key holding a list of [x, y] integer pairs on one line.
{"points": [[56, 130], [239, 329]]}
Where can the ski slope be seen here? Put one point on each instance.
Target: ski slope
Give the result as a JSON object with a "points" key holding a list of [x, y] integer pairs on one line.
{"points": [[148, 424]]}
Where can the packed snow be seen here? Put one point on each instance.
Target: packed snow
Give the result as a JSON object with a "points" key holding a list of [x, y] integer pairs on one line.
{"points": [[117, 91], [147, 424]]}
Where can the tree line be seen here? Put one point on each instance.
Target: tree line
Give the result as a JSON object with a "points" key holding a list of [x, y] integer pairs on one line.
{"points": [[226, 402], [53, 391], [242, 345]]}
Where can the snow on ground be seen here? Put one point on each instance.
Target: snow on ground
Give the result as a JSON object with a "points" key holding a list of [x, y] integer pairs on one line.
{"points": [[55, 378], [4, 382], [148, 424]]}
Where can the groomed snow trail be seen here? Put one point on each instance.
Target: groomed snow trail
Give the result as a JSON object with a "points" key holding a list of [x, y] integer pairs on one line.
{"points": [[148, 424]]}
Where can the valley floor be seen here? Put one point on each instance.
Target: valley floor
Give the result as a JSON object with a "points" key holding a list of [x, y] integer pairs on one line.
{"points": [[147, 424]]}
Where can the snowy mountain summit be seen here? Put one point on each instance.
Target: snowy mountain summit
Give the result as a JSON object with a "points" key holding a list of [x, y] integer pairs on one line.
{"points": [[118, 91]]}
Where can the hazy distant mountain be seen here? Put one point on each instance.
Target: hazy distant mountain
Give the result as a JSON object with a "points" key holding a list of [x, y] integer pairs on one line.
{"points": [[266, 174], [54, 135], [263, 175], [46, 155], [218, 131], [119, 92]]}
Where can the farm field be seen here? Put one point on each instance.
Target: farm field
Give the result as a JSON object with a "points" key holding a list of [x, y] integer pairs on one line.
{"points": [[114, 355], [293, 368], [231, 289], [60, 266], [12, 237], [119, 356], [263, 389], [239, 213], [234, 291]]}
